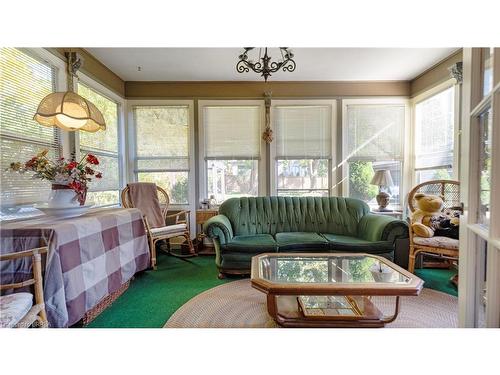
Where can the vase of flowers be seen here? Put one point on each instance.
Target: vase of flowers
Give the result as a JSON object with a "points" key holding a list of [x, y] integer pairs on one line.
{"points": [[69, 179]]}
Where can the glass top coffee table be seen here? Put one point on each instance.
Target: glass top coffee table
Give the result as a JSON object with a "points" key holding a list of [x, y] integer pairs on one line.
{"points": [[330, 290]]}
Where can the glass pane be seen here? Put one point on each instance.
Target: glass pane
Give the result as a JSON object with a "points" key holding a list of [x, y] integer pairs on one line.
{"points": [[21, 188], [232, 131], [163, 163], [24, 82], [103, 140], [360, 177], [175, 183], [162, 131], [103, 198], [303, 174], [109, 167], [480, 305], [434, 131], [232, 178], [434, 174], [375, 132], [485, 129], [303, 193], [303, 131], [487, 70], [331, 269]]}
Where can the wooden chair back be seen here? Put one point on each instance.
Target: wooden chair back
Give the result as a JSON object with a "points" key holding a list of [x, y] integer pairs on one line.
{"points": [[162, 197], [36, 280], [449, 190]]}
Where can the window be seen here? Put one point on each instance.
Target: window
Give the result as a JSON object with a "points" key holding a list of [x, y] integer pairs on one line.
{"points": [[105, 145], [373, 140], [434, 137], [162, 148], [24, 81], [484, 167], [231, 150], [303, 138]]}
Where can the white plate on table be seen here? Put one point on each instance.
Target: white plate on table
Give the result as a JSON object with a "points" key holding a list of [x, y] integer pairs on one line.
{"points": [[64, 212]]}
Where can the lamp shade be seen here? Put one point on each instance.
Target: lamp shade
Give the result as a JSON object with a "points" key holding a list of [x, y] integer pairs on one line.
{"points": [[69, 111], [382, 178]]}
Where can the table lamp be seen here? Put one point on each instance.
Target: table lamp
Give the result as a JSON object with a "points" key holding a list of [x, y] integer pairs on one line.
{"points": [[382, 178]]}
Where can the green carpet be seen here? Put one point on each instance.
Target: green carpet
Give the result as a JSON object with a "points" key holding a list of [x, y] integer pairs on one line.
{"points": [[438, 279], [153, 296]]}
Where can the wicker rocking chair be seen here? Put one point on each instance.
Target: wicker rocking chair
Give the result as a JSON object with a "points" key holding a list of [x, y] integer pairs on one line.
{"points": [[442, 247], [179, 228]]}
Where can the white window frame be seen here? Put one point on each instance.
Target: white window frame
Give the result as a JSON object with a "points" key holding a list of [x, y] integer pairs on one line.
{"points": [[131, 152], [456, 124], [471, 259], [203, 178], [332, 175], [122, 136], [405, 165]]}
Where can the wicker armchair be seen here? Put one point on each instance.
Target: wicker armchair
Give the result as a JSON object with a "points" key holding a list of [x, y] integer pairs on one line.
{"points": [[17, 309], [443, 247], [179, 228]]}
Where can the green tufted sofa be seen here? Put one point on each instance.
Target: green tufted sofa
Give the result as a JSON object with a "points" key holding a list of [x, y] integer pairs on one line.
{"points": [[249, 226]]}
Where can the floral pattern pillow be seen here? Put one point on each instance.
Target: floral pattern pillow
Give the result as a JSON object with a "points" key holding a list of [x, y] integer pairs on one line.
{"points": [[13, 308]]}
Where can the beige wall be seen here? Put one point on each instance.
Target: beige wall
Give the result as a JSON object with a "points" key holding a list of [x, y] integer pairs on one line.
{"points": [[245, 89], [232, 89], [96, 70], [437, 74]]}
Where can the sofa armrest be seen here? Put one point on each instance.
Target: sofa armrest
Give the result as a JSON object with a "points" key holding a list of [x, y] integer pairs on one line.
{"points": [[373, 227], [219, 227]]}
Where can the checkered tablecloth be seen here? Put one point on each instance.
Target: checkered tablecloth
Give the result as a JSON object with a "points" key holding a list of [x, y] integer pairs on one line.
{"points": [[89, 257]]}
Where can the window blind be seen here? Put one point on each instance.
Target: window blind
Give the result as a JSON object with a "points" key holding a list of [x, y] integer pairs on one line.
{"points": [[434, 138], [105, 145], [232, 132], [375, 132], [162, 137], [303, 132], [24, 81]]}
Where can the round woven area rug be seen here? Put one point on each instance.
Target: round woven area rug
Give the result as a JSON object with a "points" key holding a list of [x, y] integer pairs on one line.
{"points": [[238, 305]]}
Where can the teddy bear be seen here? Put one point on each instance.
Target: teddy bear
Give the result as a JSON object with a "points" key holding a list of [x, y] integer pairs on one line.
{"points": [[429, 209]]}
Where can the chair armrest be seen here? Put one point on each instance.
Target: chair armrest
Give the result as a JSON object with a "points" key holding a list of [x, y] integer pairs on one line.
{"points": [[219, 227], [373, 227], [176, 215]]}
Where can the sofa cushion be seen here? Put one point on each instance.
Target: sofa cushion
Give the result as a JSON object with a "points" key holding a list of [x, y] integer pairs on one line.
{"points": [[298, 241], [256, 244], [357, 245]]}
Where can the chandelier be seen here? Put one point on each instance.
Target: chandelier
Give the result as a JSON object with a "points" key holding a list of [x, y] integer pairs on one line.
{"points": [[264, 65]]}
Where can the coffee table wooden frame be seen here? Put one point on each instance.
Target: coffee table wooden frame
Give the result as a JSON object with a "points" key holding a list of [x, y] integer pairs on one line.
{"points": [[372, 317]]}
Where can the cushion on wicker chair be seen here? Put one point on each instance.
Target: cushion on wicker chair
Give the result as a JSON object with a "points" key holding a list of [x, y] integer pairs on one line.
{"points": [[437, 241], [13, 308], [169, 229]]}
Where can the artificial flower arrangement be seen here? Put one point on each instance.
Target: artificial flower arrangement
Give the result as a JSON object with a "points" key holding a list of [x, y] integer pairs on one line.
{"points": [[62, 173]]}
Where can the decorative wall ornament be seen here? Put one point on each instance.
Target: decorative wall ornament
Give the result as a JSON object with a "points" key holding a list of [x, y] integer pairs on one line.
{"points": [[267, 135], [263, 64], [456, 71]]}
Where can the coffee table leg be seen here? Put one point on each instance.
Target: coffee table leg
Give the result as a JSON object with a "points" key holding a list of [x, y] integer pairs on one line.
{"points": [[389, 319], [272, 307]]}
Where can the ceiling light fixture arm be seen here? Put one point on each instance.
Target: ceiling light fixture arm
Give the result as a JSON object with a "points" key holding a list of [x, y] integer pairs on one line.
{"points": [[264, 65]]}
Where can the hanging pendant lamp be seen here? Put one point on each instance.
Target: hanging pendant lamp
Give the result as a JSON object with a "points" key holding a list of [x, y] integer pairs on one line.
{"points": [[68, 110]]}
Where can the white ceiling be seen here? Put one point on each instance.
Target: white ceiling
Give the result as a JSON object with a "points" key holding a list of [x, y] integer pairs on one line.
{"points": [[313, 64]]}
